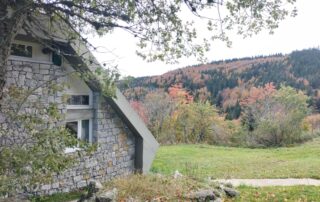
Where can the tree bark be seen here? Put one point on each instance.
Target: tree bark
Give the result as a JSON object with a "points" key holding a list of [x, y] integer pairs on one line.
{"points": [[11, 21]]}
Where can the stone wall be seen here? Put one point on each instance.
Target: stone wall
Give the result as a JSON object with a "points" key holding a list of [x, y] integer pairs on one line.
{"points": [[116, 144], [114, 157], [35, 78]]}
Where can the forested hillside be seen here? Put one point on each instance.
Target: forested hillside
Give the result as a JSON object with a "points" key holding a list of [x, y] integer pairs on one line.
{"points": [[248, 91], [224, 83]]}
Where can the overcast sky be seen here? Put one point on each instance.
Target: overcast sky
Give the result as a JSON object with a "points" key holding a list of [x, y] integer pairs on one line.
{"points": [[296, 33]]}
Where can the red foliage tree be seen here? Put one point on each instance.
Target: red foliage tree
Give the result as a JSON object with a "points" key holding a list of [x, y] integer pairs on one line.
{"points": [[140, 109], [256, 94]]}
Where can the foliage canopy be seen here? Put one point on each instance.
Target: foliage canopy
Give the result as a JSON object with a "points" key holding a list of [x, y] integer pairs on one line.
{"points": [[161, 26]]}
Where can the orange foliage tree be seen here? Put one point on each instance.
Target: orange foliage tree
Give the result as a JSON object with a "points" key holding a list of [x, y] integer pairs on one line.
{"points": [[179, 94], [257, 94]]}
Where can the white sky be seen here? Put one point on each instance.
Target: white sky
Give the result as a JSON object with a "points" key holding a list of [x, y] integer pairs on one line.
{"points": [[296, 33]]}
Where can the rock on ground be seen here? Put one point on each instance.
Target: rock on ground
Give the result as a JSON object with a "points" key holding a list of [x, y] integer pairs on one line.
{"points": [[94, 187], [230, 192], [202, 195], [109, 196]]}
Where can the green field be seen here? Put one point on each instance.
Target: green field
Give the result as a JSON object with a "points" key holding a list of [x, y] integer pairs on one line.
{"points": [[229, 162]]}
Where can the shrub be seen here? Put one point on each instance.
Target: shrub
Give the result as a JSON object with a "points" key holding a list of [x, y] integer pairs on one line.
{"points": [[196, 123], [277, 120], [312, 122]]}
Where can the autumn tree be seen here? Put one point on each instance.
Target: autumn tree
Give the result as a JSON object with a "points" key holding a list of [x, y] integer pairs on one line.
{"points": [[154, 108], [277, 119], [256, 101], [179, 94], [140, 109], [257, 94], [196, 122], [159, 106]]}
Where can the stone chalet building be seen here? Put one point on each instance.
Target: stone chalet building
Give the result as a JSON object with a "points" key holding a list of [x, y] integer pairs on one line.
{"points": [[125, 143]]}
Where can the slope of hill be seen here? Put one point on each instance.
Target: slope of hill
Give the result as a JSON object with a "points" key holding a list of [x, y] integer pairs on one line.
{"points": [[224, 82]]}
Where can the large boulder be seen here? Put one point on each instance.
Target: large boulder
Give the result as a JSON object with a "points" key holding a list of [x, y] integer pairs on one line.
{"points": [[94, 187], [109, 196], [230, 192], [202, 195]]}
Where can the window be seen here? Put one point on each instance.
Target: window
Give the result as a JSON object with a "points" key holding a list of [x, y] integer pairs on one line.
{"points": [[78, 100], [56, 59], [80, 129], [21, 50]]}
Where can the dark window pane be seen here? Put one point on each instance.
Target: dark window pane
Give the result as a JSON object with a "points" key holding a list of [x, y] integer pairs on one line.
{"points": [[56, 59], [21, 50], [73, 128], [85, 130], [79, 100], [85, 99], [76, 100]]}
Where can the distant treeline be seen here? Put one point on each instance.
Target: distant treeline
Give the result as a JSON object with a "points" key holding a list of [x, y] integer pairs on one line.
{"points": [[300, 70]]}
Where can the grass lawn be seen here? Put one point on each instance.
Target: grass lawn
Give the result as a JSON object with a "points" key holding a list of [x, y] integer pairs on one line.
{"points": [[295, 193], [228, 162]]}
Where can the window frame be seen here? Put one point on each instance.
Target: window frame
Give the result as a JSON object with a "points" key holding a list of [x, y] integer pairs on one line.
{"points": [[80, 106], [79, 131], [26, 46], [36, 48], [80, 96]]}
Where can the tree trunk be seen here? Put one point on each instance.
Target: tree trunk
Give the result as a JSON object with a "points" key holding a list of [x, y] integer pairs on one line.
{"points": [[10, 23]]}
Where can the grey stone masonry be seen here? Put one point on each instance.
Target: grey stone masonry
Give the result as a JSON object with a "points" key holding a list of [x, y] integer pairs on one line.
{"points": [[115, 155], [30, 76]]}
